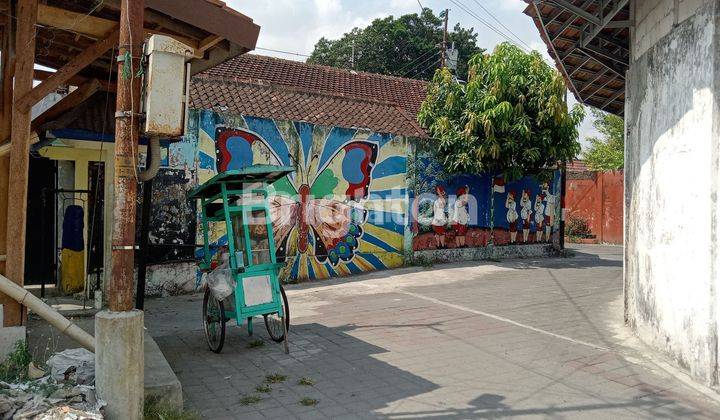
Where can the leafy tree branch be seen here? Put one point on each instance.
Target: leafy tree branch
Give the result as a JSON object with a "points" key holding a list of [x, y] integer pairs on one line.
{"points": [[511, 117]]}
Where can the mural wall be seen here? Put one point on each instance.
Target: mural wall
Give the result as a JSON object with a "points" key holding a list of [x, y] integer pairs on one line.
{"points": [[356, 201], [475, 210], [342, 212]]}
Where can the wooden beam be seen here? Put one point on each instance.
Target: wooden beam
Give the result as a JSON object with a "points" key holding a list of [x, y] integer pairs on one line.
{"points": [[215, 57], [208, 43], [570, 7], [233, 26], [66, 72], [20, 154], [92, 26], [72, 100], [88, 25], [76, 80]]}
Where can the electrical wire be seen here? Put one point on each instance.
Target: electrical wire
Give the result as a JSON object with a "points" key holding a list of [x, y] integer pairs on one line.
{"points": [[433, 64], [486, 23], [100, 159], [501, 24], [132, 96], [282, 52], [407, 66], [412, 70]]}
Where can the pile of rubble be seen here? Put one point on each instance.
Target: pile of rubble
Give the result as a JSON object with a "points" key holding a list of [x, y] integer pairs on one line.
{"points": [[66, 393]]}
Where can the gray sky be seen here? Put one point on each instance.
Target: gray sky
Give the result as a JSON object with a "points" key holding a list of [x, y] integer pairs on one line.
{"points": [[295, 25]]}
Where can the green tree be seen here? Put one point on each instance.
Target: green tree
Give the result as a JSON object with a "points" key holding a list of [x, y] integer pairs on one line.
{"points": [[606, 153], [511, 117], [404, 46]]}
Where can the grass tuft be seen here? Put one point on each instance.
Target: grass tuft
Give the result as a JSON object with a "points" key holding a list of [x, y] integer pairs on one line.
{"points": [[256, 343], [14, 368], [275, 378], [155, 409], [306, 381], [308, 402], [250, 399], [263, 388]]}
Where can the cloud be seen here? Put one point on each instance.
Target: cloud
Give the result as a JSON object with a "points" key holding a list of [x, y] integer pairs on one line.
{"points": [[511, 5]]}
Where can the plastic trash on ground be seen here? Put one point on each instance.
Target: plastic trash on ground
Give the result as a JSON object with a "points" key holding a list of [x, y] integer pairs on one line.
{"points": [[76, 365]]}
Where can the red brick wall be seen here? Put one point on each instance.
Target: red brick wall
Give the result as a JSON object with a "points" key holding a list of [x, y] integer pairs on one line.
{"points": [[598, 198]]}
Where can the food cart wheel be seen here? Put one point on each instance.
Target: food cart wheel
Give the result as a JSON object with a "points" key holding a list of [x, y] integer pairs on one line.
{"points": [[213, 321], [273, 322]]}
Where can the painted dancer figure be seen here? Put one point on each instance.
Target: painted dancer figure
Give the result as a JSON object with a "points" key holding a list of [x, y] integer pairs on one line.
{"points": [[525, 213], [512, 215], [439, 220], [549, 209], [460, 217], [539, 217]]}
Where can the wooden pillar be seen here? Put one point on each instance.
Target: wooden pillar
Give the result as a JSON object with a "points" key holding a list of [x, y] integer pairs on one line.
{"points": [[20, 152], [4, 171], [6, 72]]}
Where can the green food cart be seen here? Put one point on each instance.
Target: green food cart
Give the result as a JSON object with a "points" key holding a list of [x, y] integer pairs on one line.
{"points": [[249, 275]]}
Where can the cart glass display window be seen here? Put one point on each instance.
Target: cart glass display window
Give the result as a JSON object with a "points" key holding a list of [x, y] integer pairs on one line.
{"points": [[239, 240], [259, 239]]}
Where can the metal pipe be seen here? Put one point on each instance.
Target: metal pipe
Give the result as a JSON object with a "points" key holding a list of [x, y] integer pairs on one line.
{"points": [[27, 299], [153, 159], [121, 284], [142, 253]]}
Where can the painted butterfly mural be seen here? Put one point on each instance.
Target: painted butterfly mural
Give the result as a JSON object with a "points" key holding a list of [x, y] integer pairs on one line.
{"points": [[322, 221]]}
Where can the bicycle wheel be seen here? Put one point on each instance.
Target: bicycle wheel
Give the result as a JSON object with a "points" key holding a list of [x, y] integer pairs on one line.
{"points": [[213, 321], [273, 322]]}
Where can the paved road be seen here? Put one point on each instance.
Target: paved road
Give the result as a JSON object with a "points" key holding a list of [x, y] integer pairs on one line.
{"points": [[530, 338]]}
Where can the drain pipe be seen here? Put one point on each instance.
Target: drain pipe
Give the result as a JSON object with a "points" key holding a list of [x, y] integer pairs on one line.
{"points": [[154, 159], [47, 313]]}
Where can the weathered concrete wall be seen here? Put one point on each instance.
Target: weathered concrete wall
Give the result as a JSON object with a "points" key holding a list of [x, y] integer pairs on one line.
{"points": [[171, 279], [672, 181]]}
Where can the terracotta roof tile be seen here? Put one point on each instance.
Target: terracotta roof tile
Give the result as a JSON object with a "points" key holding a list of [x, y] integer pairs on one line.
{"points": [[282, 89]]}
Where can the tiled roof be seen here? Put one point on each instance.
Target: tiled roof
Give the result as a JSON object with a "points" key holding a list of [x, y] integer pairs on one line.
{"points": [[576, 165], [289, 90], [283, 103]]}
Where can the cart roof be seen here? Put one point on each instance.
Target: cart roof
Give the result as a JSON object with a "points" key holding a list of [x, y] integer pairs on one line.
{"points": [[235, 178]]}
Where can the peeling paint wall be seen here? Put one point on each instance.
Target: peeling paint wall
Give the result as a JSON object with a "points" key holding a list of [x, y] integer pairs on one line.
{"points": [[671, 192], [170, 279]]}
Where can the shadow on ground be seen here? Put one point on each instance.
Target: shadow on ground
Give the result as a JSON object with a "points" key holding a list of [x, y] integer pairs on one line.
{"points": [[348, 377]]}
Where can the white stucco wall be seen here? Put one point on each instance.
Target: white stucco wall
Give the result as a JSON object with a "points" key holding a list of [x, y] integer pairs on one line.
{"points": [[672, 181]]}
